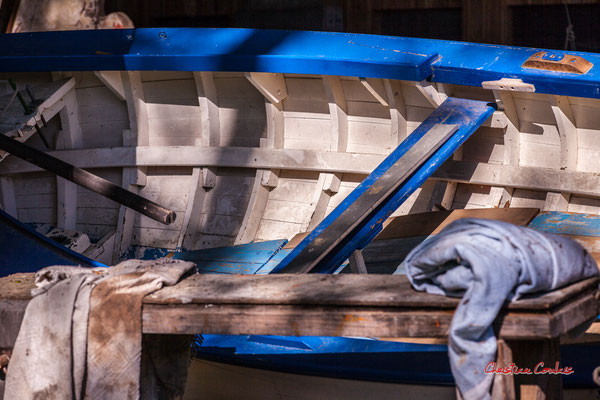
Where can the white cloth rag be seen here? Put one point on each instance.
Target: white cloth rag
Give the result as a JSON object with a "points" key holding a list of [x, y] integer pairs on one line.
{"points": [[81, 334]]}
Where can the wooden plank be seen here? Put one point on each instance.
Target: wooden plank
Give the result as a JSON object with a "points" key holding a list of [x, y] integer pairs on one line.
{"points": [[357, 263], [377, 90], [9, 200], [265, 179], [70, 137], [13, 117], [431, 94], [202, 178], [193, 214], [301, 320], [332, 290], [431, 223], [380, 189], [503, 387], [565, 223], [136, 135], [329, 183], [113, 81], [537, 386], [395, 98], [334, 305], [271, 85], [533, 178]]}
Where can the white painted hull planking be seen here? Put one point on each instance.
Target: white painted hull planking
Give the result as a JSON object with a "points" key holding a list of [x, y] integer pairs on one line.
{"points": [[252, 157]]}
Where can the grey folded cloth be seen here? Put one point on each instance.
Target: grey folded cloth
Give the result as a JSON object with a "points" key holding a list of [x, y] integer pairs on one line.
{"points": [[81, 334], [488, 262]]}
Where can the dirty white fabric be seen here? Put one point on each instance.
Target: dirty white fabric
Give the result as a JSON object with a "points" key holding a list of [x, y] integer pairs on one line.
{"points": [[488, 262], [81, 333]]}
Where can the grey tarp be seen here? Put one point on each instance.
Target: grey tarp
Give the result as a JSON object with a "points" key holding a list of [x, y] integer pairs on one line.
{"points": [[488, 262], [81, 334]]}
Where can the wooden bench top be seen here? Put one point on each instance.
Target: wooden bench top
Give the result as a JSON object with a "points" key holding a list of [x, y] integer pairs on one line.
{"points": [[333, 305]]}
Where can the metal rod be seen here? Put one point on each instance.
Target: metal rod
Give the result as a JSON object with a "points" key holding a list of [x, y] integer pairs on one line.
{"points": [[88, 180]]}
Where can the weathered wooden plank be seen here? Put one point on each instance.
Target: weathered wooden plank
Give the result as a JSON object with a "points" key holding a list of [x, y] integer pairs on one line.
{"points": [[534, 178], [567, 223], [332, 305], [432, 223], [330, 290], [318, 320]]}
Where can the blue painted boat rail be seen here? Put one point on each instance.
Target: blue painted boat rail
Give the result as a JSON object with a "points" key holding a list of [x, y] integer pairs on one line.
{"points": [[323, 53]]}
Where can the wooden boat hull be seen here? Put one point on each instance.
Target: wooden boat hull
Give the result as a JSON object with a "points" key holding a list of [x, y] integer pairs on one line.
{"points": [[256, 136]]}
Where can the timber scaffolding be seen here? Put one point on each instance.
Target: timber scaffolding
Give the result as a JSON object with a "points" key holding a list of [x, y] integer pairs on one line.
{"points": [[348, 305]]}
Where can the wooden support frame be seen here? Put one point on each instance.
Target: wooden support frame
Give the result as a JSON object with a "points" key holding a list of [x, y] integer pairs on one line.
{"points": [[132, 177], [9, 200], [346, 305], [565, 123], [265, 179], [329, 183], [54, 94], [69, 138], [501, 196], [431, 93], [395, 96], [377, 90], [271, 85], [203, 179], [113, 81], [476, 173]]}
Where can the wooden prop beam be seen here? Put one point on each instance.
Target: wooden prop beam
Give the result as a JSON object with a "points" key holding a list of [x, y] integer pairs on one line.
{"points": [[330, 305], [87, 180]]}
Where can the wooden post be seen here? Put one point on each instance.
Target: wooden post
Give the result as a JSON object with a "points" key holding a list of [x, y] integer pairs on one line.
{"points": [[529, 354]]}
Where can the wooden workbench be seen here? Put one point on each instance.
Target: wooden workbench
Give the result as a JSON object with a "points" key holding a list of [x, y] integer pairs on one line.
{"points": [[348, 305]]}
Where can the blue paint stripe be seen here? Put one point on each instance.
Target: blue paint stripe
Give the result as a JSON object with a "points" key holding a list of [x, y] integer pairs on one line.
{"points": [[567, 223]]}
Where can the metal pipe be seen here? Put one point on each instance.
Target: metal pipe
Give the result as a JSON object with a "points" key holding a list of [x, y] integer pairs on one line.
{"points": [[88, 180]]}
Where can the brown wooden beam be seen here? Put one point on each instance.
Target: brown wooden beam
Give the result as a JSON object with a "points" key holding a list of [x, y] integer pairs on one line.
{"points": [[87, 180]]}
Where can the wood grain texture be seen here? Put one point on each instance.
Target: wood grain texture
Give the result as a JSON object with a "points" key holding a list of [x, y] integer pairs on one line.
{"points": [[332, 305], [330, 290], [304, 320]]}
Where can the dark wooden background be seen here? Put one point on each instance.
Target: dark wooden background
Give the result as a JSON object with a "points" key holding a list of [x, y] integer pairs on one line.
{"points": [[536, 23]]}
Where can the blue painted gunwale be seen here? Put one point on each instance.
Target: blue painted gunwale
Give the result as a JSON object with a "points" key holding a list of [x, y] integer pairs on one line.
{"points": [[211, 49], [323, 53]]}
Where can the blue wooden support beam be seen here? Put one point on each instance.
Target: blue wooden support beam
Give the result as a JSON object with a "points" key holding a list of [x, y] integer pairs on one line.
{"points": [[358, 219]]}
